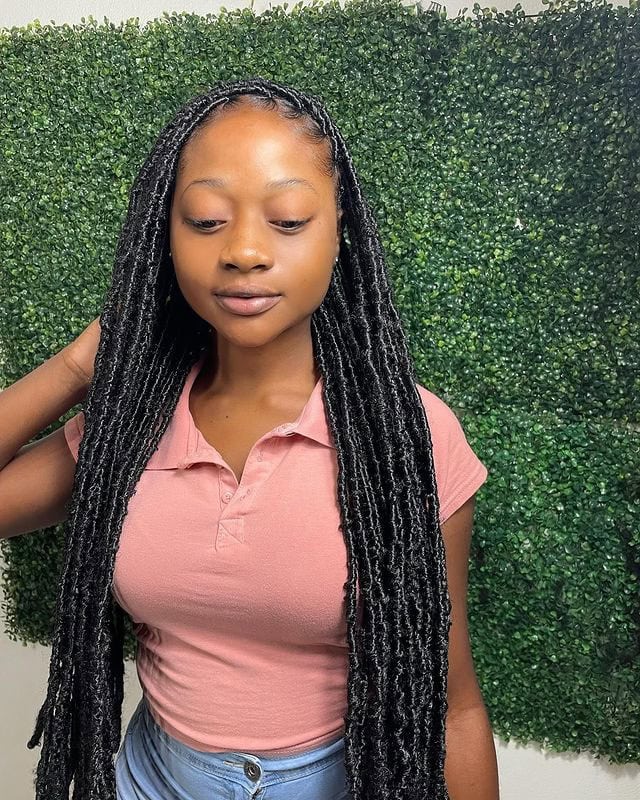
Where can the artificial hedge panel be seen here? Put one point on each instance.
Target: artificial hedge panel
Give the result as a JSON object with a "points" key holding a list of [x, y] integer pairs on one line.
{"points": [[500, 155]]}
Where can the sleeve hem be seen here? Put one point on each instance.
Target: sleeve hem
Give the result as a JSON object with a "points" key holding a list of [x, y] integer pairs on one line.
{"points": [[466, 490], [73, 435]]}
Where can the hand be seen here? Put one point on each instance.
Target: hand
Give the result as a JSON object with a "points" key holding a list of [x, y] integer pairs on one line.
{"points": [[80, 354]]}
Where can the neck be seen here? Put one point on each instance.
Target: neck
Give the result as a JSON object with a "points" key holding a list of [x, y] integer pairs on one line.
{"points": [[236, 371]]}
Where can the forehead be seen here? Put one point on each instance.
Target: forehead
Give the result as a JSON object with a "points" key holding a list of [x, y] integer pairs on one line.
{"points": [[252, 139]]}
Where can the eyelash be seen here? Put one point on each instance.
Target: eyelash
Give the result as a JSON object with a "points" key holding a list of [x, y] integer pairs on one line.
{"points": [[202, 223]]}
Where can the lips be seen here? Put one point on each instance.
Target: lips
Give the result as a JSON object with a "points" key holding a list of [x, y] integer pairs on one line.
{"points": [[247, 306]]}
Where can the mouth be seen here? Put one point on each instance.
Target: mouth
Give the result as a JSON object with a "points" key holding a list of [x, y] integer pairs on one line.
{"points": [[247, 306]]}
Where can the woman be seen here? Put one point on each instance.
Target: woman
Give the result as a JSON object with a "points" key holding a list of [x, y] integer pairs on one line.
{"points": [[240, 463]]}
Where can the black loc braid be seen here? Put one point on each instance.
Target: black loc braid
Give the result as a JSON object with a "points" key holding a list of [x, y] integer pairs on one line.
{"points": [[151, 338]]}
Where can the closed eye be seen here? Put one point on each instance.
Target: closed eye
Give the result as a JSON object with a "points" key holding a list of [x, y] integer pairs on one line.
{"points": [[208, 224]]}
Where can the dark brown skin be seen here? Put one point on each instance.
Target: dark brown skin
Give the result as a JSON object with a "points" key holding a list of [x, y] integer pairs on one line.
{"points": [[260, 369], [265, 363], [265, 369]]}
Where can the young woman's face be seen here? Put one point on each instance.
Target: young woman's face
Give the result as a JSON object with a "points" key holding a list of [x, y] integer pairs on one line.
{"points": [[245, 232]]}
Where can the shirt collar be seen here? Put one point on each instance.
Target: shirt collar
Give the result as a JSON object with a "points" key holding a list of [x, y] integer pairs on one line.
{"points": [[182, 444]]}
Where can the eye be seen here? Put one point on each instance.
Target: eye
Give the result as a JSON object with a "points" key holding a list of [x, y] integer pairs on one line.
{"points": [[295, 223], [201, 223], [208, 224]]}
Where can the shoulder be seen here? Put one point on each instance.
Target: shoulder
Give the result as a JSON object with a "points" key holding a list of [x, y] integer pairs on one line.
{"points": [[458, 470], [442, 419], [433, 404]]}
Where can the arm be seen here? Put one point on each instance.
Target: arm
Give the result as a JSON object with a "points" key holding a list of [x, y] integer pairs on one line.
{"points": [[36, 479], [35, 401], [43, 395], [471, 771]]}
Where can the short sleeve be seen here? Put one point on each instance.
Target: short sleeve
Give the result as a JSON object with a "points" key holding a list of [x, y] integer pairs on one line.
{"points": [[73, 432], [459, 471]]}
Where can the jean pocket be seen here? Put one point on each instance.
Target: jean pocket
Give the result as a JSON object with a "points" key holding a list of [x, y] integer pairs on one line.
{"points": [[326, 780]]}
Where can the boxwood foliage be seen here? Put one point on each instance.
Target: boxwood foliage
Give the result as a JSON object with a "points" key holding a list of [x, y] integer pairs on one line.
{"points": [[500, 153]]}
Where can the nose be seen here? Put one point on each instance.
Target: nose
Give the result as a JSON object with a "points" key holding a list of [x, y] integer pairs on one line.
{"points": [[243, 247], [245, 262]]}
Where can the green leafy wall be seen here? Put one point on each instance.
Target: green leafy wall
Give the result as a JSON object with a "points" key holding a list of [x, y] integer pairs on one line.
{"points": [[501, 156]]}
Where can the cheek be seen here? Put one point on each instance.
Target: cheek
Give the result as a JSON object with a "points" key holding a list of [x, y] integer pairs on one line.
{"points": [[183, 282], [191, 278], [195, 292], [313, 288]]}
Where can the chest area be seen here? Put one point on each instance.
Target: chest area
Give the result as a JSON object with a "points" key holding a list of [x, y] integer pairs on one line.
{"points": [[233, 442], [234, 429], [267, 558], [235, 436]]}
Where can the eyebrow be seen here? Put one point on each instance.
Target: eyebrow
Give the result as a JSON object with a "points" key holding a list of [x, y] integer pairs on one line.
{"points": [[281, 183]]}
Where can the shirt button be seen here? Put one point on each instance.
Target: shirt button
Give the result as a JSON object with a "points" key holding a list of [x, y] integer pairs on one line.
{"points": [[227, 496]]}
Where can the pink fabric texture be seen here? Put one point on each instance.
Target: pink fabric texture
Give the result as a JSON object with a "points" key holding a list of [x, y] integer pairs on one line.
{"points": [[237, 589]]}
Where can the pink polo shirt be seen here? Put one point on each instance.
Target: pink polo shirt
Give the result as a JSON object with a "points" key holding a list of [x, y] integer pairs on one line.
{"points": [[237, 589]]}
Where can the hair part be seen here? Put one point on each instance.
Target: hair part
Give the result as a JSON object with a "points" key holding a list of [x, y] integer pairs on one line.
{"points": [[395, 719]]}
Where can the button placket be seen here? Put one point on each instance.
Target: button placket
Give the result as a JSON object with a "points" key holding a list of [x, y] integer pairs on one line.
{"points": [[231, 525], [228, 529]]}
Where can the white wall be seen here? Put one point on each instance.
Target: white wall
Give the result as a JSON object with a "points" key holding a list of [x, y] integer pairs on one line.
{"points": [[526, 772], [71, 11], [24, 670]]}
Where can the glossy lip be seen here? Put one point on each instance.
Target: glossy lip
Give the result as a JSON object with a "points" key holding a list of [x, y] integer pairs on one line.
{"points": [[247, 306], [248, 290]]}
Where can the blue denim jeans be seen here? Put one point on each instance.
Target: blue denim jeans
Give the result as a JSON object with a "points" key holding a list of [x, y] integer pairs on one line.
{"points": [[152, 765]]}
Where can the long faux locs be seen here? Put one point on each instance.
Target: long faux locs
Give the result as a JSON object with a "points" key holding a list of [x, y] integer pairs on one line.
{"points": [[395, 720]]}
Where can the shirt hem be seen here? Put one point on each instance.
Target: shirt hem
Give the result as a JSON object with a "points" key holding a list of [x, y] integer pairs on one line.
{"points": [[195, 744]]}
